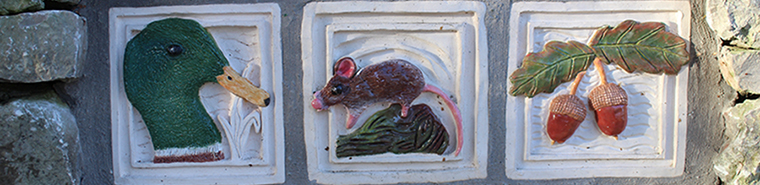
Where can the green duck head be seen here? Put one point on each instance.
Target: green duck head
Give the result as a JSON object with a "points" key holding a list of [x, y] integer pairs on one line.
{"points": [[164, 67], [174, 49]]}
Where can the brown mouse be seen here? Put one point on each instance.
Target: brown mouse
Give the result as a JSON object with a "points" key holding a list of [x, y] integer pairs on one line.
{"points": [[394, 81]]}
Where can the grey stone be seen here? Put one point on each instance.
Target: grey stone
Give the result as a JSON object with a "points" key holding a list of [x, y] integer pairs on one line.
{"points": [[70, 2], [739, 162], [42, 46], [39, 143], [16, 6], [740, 68], [736, 20]]}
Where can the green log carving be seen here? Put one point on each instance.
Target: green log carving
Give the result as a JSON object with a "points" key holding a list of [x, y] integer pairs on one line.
{"points": [[421, 132]]}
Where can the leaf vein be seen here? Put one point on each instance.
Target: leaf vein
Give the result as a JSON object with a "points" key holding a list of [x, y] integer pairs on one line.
{"points": [[670, 63], [620, 52], [654, 68], [650, 34], [628, 30], [634, 45]]}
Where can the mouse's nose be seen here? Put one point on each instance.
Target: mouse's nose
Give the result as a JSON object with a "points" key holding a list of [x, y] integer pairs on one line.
{"points": [[317, 103]]}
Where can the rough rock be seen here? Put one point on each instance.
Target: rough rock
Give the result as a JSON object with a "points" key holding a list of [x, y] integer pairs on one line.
{"points": [[739, 162], [65, 2], [736, 20], [42, 46], [40, 142], [16, 6], [70, 2], [740, 68]]}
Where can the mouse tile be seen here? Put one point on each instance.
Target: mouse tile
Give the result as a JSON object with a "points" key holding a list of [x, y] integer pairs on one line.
{"points": [[445, 42]]}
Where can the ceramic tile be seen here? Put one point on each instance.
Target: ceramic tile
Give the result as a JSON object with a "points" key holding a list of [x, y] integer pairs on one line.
{"points": [[654, 141], [249, 36], [446, 40]]}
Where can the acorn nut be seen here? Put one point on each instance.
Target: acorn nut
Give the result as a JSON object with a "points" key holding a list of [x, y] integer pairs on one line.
{"points": [[610, 102], [566, 112]]}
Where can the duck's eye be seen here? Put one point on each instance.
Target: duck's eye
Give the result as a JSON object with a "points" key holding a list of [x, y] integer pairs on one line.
{"points": [[337, 90], [174, 50]]}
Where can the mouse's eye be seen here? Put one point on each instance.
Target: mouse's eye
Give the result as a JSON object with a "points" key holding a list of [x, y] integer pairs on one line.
{"points": [[337, 90], [174, 49]]}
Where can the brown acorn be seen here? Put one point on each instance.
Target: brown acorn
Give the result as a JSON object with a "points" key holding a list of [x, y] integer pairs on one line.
{"points": [[566, 112], [610, 102]]}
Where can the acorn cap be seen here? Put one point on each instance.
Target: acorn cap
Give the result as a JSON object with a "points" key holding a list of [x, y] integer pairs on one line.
{"points": [[606, 95], [570, 105]]}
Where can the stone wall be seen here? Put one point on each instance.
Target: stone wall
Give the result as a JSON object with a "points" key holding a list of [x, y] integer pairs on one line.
{"points": [[42, 49], [736, 24]]}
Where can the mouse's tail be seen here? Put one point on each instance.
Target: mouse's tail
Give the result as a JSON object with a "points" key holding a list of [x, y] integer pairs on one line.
{"points": [[454, 111]]}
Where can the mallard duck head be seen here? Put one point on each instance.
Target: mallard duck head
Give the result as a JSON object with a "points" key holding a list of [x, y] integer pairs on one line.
{"points": [[182, 51], [165, 66]]}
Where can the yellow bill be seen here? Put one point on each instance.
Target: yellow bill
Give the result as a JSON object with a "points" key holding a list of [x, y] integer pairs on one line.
{"points": [[242, 87]]}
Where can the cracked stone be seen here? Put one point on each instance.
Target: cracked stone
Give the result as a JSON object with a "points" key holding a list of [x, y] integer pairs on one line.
{"points": [[736, 20], [39, 143], [17, 6], [42, 46], [739, 162], [740, 68]]}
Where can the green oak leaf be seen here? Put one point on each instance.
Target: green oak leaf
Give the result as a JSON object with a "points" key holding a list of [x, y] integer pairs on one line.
{"points": [[559, 62], [638, 46]]}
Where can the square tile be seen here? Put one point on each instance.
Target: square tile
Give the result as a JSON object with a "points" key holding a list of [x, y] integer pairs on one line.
{"points": [[653, 144], [446, 40], [249, 36]]}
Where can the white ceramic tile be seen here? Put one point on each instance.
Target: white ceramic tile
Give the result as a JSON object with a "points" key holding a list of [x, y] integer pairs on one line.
{"points": [[652, 144], [447, 40], [249, 36]]}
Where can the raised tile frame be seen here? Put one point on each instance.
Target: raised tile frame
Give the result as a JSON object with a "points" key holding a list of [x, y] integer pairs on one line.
{"points": [[447, 40], [653, 144], [249, 36]]}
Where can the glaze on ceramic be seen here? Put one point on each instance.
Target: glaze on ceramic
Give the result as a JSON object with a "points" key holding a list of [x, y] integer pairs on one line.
{"points": [[394, 81]]}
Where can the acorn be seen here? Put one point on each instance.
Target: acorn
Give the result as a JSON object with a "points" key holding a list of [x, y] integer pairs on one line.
{"points": [[566, 112], [610, 102]]}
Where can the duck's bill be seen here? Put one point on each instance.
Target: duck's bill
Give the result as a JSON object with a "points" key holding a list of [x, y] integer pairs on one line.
{"points": [[242, 87]]}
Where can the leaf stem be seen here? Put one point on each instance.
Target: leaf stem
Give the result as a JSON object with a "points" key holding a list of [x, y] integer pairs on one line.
{"points": [[574, 86], [600, 69]]}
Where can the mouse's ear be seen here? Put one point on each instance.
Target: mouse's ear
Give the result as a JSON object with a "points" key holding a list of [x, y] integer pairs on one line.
{"points": [[345, 67]]}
